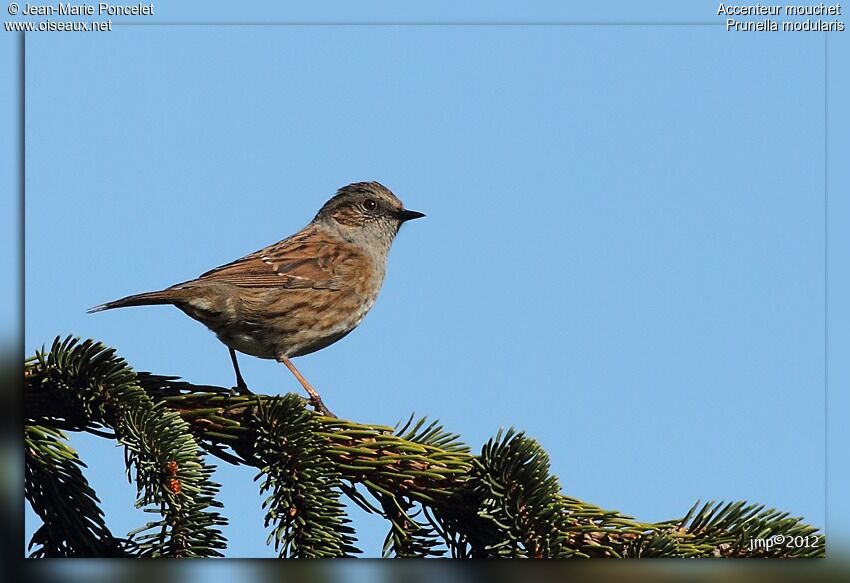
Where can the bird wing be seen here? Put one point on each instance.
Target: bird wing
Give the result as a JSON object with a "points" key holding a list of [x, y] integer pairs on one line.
{"points": [[310, 259]]}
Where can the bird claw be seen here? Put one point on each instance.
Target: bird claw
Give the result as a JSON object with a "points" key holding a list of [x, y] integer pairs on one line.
{"points": [[319, 406], [240, 389]]}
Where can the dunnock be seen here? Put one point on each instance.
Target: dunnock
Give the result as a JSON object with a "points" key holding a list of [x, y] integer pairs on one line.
{"points": [[301, 294]]}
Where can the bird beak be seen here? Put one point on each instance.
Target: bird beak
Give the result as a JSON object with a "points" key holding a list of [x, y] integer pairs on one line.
{"points": [[406, 215]]}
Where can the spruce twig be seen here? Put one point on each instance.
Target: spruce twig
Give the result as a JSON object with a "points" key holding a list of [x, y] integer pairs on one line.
{"points": [[434, 493]]}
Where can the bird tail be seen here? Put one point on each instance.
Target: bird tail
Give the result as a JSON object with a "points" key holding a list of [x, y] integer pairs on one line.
{"points": [[165, 296]]}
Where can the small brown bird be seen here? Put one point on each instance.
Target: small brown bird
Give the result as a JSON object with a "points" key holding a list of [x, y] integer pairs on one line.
{"points": [[301, 294]]}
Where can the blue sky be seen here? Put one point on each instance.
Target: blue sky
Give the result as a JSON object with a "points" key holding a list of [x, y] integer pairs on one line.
{"points": [[623, 252]]}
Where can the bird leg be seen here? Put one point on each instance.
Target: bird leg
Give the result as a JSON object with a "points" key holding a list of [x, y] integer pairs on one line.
{"points": [[315, 399], [241, 387]]}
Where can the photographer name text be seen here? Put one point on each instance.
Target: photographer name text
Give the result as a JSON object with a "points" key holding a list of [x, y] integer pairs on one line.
{"points": [[99, 9]]}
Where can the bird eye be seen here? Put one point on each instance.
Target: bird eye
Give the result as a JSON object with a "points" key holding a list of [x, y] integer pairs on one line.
{"points": [[370, 204]]}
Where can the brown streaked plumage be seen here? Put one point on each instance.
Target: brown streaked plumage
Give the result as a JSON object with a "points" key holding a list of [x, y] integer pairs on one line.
{"points": [[301, 294]]}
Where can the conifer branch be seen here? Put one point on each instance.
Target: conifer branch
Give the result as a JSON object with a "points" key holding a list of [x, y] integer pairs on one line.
{"points": [[73, 523], [83, 386], [436, 496]]}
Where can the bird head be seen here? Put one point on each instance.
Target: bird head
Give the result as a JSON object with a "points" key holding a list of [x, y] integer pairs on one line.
{"points": [[366, 213]]}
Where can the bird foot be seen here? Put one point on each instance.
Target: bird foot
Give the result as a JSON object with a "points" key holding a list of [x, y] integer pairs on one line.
{"points": [[319, 406], [240, 389]]}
